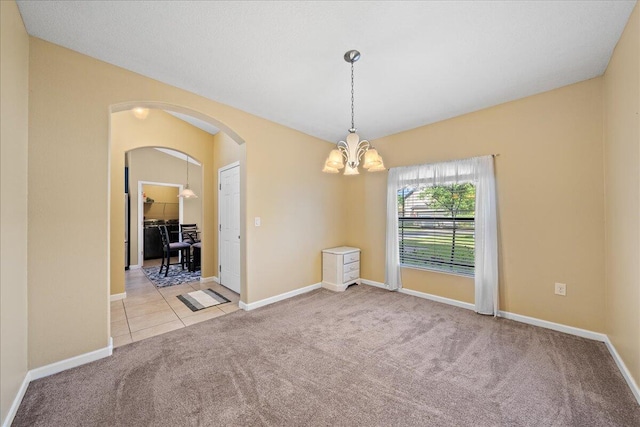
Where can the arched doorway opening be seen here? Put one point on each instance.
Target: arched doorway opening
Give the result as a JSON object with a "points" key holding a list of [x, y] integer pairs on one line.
{"points": [[158, 128]]}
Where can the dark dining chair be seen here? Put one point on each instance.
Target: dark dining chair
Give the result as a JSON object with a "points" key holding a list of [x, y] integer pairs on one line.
{"points": [[168, 247], [189, 233]]}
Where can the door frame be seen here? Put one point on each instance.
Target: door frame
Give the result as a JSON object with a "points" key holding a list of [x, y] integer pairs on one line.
{"points": [[220, 170], [141, 215]]}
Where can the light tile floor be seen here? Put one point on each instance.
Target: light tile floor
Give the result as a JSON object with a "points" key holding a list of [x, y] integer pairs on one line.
{"points": [[148, 311]]}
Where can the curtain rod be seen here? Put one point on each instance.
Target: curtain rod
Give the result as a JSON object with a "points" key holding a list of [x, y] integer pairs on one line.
{"points": [[494, 155]]}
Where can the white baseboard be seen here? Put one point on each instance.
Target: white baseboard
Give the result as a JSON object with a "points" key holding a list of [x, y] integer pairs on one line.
{"points": [[135, 267], [17, 401], [635, 389], [571, 330], [512, 316], [374, 283], [437, 298], [54, 368], [209, 279], [72, 362], [117, 297], [276, 298]]}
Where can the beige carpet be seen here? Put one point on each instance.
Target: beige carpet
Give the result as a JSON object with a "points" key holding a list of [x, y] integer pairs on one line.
{"points": [[363, 357]]}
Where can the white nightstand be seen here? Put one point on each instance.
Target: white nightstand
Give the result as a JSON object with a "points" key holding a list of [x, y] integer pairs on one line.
{"points": [[340, 267]]}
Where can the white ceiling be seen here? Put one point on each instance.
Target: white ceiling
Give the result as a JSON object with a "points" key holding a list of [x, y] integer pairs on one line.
{"points": [[421, 62]]}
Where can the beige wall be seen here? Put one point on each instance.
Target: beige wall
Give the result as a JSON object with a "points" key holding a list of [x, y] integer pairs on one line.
{"points": [[160, 193], [622, 206], [165, 203], [302, 211], [70, 99], [14, 90], [550, 202]]}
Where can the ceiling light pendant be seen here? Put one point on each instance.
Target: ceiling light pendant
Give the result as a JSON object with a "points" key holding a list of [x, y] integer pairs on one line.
{"points": [[187, 193], [348, 154]]}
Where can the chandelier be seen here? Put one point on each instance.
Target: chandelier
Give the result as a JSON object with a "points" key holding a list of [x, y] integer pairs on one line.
{"points": [[348, 154]]}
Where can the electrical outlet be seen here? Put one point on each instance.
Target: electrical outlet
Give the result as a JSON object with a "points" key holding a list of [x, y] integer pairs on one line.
{"points": [[561, 289]]}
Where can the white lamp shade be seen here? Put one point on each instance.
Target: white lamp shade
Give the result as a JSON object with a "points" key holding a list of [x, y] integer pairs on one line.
{"points": [[378, 168], [351, 171], [329, 169], [371, 158], [335, 159], [187, 193]]}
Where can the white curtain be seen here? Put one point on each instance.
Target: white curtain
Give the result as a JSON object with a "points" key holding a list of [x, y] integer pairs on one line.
{"points": [[486, 238], [392, 270], [478, 170]]}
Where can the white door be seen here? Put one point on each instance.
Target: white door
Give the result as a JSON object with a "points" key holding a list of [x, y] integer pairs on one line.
{"points": [[229, 227]]}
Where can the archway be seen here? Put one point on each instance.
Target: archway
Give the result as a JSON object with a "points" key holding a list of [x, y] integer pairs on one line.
{"points": [[118, 145]]}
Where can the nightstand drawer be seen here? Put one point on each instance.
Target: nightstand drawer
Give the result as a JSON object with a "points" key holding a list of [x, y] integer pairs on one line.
{"points": [[351, 276], [354, 266], [353, 256]]}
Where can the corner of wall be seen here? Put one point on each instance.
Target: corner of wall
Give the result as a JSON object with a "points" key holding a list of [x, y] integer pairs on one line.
{"points": [[14, 137], [621, 140]]}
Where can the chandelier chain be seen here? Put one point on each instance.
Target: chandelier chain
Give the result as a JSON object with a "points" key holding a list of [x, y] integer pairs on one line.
{"points": [[353, 126]]}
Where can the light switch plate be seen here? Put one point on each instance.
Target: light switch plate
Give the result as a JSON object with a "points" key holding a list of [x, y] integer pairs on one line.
{"points": [[257, 221]]}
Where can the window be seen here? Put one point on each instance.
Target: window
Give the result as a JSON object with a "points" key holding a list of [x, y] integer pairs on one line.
{"points": [[436, 227], [432, 224]]}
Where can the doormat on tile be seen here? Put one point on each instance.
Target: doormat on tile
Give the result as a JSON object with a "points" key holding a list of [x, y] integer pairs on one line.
{"points": [[197, 300], [176, 276]]}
